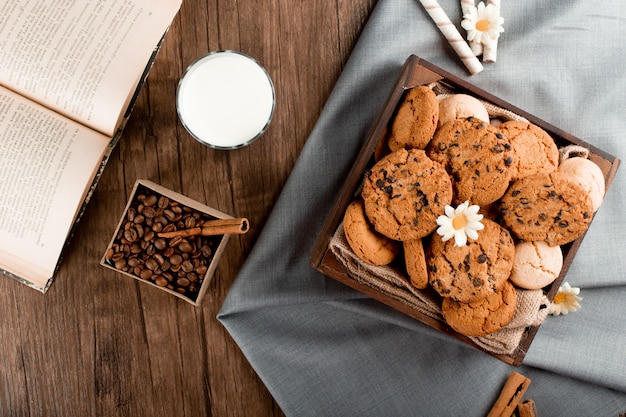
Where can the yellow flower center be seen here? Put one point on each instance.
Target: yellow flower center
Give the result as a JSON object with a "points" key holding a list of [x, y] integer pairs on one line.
{"points": [[459, 222], [482, 25], [560, 298]]}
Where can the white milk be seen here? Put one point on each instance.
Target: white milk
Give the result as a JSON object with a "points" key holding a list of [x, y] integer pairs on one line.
{"points": [[225, 99]]}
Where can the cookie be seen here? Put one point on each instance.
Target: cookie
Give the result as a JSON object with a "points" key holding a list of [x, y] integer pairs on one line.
{"points": [[482, 317], [367, 244], [477, 157], [416, 119], [474, 271], [415, 262], [461, 106], [590, 177], [536, 265], [404, 193], [552, 207], [535, 150]]}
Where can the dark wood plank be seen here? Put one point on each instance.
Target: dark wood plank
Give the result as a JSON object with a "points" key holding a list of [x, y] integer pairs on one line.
{"points": [[101, 344]]}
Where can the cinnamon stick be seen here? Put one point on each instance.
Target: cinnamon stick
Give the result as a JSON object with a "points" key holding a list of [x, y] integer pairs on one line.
{"points": [[510, 396], [527, 408], [237, 226]]}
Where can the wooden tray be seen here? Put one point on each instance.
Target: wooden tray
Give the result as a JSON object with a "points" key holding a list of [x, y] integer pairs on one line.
{"points": [[416, 72]]}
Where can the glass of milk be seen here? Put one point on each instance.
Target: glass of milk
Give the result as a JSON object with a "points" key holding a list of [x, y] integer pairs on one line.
{"points": [[225, 99]]}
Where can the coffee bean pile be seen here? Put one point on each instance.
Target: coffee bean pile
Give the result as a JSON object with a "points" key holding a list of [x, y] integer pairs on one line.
{"points": [[179, 263]]}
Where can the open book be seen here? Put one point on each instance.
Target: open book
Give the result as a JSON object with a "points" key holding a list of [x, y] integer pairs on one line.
{"points": [[69, 74]]}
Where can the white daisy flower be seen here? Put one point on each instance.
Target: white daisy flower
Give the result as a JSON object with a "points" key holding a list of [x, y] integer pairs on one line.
{"points": [[565, 300], [483, 23], [460, 223]]}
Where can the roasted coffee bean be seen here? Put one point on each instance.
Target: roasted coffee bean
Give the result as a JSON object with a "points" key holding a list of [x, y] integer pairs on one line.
{"points": [[185, 246], [160, 243], [120, 263], [161, 219], [182, 282], [150, 250], [169, 228], [161, 281], [150, 200], [164, 202], [206, 251], [169, 215], [187, 266], [190, 222], [176, 259], [148, 212], [133, 262], [159, 258], [175, 241], [151, 263]]}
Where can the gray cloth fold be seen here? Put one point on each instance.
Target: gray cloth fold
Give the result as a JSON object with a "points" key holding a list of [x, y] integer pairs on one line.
{"points": [[323, 349]]}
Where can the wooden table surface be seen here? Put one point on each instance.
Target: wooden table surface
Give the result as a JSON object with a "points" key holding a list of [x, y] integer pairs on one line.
{"points": [[102, 344]]}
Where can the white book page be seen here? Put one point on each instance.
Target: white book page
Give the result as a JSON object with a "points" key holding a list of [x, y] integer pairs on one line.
{"points": [[47, 164], [82, 58]]}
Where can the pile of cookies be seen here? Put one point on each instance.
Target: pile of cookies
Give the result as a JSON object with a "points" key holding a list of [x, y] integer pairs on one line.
{"points": [[445, 154]]}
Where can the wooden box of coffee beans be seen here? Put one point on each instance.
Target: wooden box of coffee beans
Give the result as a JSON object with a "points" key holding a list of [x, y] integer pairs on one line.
{"points": [[143, 246]]}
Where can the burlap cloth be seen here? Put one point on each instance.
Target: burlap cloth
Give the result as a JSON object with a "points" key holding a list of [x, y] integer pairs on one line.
{"points": [[531, 307]]}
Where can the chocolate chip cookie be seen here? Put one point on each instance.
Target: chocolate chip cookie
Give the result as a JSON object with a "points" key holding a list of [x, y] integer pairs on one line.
{"points": [[482, 317], [416, 119], [535, 150], [474, 271], [404, 193], [478, 158], [552, 207]]}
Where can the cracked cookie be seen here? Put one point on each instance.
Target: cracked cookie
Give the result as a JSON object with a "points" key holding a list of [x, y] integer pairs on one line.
{"points": [[404, 193], [478, 158], [536, 265], [474, 271]]}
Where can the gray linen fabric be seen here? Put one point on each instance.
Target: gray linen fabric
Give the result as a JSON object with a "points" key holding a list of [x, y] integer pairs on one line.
{"points": [[323, 349]]}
